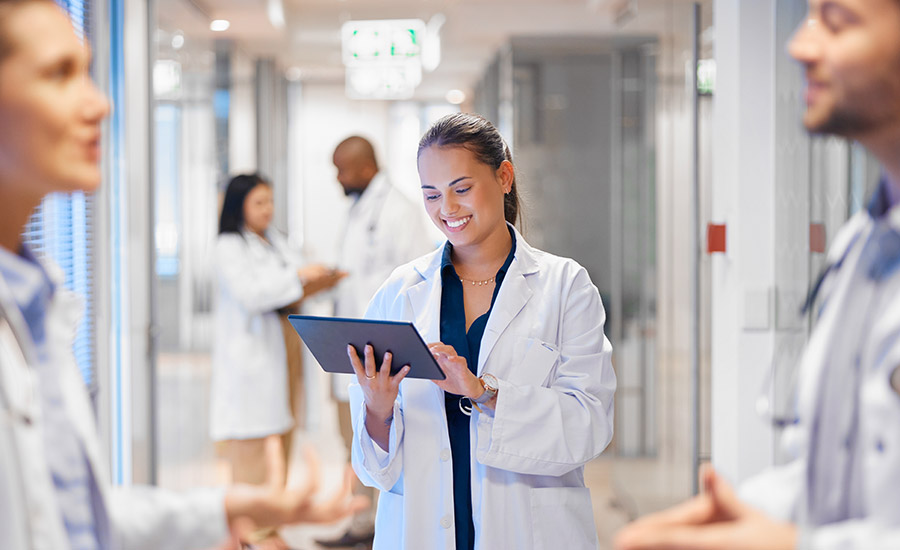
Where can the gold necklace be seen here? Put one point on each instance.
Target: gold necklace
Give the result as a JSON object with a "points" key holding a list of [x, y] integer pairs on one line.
{"points": [[478, 283]]}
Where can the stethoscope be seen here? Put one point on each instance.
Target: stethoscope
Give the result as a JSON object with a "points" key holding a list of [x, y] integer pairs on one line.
{"points": [[886, 262], [787, 357]]}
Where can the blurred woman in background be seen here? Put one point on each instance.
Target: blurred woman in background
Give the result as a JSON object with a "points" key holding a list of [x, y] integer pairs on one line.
{"points": [[259, 274], [54, 488]]}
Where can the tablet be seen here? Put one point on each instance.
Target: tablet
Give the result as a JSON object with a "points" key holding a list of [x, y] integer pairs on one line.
{"points": [[327, 339]]}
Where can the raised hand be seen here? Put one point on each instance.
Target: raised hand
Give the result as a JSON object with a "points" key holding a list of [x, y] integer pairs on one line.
{"points": [[249, 507], [316, 278], [713, 520]]}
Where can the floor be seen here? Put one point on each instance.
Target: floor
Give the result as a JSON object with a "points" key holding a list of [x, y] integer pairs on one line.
{"points": [[621, 488]]}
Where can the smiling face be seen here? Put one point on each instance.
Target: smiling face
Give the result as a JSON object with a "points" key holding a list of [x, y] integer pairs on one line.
{"points": [[50, 111], [851, 53], [463, 196], [259, 207]]}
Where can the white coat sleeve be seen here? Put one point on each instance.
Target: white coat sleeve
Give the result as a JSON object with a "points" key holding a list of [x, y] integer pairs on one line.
{"points": [[373, 468], [861, 533], [776, 491], [552, 430], [258, 291], [149, 518]]}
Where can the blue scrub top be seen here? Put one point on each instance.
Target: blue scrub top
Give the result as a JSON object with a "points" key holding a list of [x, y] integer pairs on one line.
{"points": [[468, 345]]}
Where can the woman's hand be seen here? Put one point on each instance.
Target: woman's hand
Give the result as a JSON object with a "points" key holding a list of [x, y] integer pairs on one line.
{"points": [[250, 507], [380, 390], [460, 380], [316, 277]]}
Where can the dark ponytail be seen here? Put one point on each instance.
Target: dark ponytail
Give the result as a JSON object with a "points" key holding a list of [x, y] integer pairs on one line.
{"points": [[478, 135]]}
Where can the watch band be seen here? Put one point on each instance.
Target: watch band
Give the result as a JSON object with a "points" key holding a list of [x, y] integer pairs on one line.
{"points": [[489, 383]]}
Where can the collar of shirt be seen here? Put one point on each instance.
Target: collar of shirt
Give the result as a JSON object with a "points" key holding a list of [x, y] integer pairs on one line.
{"points": [[883, 244], [371, 198], [447, 262], [31, 289]]}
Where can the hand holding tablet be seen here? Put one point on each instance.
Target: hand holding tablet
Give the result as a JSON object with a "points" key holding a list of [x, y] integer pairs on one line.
{"points": [[328, 337]]}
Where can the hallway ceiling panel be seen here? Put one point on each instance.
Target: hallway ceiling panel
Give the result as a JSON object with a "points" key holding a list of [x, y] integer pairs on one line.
{"points": [[470, 38]]}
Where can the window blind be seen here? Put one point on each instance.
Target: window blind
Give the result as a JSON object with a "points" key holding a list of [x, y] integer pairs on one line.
{"points": [[61, 230]]}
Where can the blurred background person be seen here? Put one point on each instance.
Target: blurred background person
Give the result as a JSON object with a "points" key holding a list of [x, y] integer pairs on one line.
{"points": [[259, 273], [383, 229], [54, 488], [838, 488]]}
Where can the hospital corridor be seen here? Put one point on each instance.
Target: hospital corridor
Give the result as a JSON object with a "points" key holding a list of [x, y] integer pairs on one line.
{"points": [[645, 252]]}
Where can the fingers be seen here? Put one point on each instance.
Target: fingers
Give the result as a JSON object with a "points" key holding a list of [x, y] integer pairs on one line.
{"points": [[276, 469], [313, 468], [401, 374], [365, 368], [369, 353], [708, 477], [358, 368], [440, 348], [724, 497], [384, 373], [695, 511], [678, 537]]}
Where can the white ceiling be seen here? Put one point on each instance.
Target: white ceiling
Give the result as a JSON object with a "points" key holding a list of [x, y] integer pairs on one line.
{"points": [[471, 36]]}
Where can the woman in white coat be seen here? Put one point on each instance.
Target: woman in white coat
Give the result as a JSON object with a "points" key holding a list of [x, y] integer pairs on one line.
{"points": [[493, 456], [54, 489], [258, 274]]}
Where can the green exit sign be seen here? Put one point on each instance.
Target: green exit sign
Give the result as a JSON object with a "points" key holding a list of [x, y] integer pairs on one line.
{"points": [[387, 41]]}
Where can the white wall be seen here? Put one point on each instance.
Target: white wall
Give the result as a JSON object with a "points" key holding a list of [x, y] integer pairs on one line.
{"points": [[242, 116], [743, 198], [320, 117]]}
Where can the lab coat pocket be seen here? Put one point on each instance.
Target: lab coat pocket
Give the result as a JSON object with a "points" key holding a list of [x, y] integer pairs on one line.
{"points": [[563, 518], [535, 361]]}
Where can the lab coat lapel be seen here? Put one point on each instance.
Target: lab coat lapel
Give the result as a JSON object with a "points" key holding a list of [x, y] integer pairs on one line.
{"points": [[425, 297], [514, 294]]}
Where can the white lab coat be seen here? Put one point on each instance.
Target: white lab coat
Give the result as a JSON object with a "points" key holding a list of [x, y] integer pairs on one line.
{"points": [[544, 342], [249, 397], [139, 518], [383, 229], [859, 482]]}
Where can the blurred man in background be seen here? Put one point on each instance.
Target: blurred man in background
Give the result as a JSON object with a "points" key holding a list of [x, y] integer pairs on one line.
{"points": [[840, 490], [383, 229]]}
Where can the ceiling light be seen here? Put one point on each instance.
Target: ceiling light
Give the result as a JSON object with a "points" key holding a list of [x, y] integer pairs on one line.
{"points": [[219, 25], [177, 41], [456, 96], [431, 43], [275, 11]]}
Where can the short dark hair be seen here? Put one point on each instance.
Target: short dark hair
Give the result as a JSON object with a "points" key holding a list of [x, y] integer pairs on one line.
{"points": [[232, 218], [478, 135]]}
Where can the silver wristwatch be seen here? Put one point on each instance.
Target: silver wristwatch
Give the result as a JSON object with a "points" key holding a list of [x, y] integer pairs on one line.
{"points": [[490, 384]]}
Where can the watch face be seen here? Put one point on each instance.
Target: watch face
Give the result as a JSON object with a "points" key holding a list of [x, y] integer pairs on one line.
{"points": [[490, 383]]}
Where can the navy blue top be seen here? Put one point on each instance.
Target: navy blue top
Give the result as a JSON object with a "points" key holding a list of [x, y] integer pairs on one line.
{"points": [[468, 345]]}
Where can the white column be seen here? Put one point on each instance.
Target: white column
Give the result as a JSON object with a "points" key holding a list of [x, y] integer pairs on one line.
{"points": [[743, 191]]}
